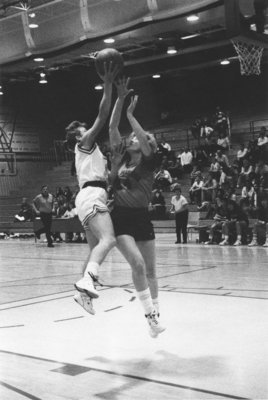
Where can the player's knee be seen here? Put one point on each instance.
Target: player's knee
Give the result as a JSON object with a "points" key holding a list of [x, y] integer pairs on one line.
{"points": [[138, 266], [109, 242]]}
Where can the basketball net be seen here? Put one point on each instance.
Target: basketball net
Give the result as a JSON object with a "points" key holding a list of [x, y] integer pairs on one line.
{"points": [[249, 56]]}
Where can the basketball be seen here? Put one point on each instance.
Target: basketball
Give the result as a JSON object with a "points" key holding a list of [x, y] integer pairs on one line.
{"points": [[106, 56]]}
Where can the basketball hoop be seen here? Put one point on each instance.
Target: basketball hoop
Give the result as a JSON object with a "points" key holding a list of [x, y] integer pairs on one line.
{"points": [[249, 56]]}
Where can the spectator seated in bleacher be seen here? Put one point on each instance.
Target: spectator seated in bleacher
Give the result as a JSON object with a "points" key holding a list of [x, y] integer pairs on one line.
{"points": [[220, 216], [222, 158], [195, 172], [67, 193], [200, 157], [209, 188], [223, 143], [253, 152], [26, 211], [241, 154], [249, 193], [261, 173], [215, 168], [186, 161], [206, 128], [262, 139], [246, 174], [260, 228], [162, 179], [196, 190], [175, 168], [236, 224], [157, 207]]}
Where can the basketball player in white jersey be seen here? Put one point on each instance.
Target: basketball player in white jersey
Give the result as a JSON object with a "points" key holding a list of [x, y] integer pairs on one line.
{"points": [[92, 174]]}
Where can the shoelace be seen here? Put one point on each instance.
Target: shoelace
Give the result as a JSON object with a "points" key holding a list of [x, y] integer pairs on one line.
{"points": [[95, 279]]}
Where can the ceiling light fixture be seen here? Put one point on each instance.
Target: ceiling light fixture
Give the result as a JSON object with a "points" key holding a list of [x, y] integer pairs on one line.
{"points": [[156, 76], [171, 50], [32, 15], [38, 59], [190, 36], [1, 93], [98, 87], [33, 26], [42, 74], [192, 18], [225, 62], [42, 81], [109, 40]]}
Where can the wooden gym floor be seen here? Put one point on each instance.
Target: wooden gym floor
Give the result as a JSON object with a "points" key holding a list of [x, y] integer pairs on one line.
{"points": [[213, 302]]}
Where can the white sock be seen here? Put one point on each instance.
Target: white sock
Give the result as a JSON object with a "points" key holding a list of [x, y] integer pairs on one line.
{"points": [[156, 305], [92, 267], [146, 301]]}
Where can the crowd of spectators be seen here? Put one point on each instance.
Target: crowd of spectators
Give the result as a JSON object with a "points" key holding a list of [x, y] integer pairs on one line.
{"points": [[239, 183]]}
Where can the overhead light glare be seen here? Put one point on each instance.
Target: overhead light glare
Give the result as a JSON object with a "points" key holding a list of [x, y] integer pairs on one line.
{"points": [[192, 18], [33, 26], [225, 62], [1, 93], [156, 76], [109, 40], [38, 59], [98, 87], [190, 36], [43, 81], [32, 15], [42, 74], [171, 50]]}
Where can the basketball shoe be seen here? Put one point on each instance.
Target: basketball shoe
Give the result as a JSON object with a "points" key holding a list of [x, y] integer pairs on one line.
{"points": [[87, 285], [155, 327], [85, 302]]}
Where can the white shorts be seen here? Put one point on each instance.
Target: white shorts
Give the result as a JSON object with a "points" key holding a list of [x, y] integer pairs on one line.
{"points": [[89, 201]]}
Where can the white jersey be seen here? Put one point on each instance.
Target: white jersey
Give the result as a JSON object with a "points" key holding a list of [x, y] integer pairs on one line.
{"points": [[91, 165]]}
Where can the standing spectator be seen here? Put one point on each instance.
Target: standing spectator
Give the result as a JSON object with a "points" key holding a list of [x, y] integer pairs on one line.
{"points": [[179, 205], [186, 161], [26, 211], [43, 207], [262, 222], [175, 169], [221, 122], [195, 190], [196, 128], [206, 128], [215, 168]]}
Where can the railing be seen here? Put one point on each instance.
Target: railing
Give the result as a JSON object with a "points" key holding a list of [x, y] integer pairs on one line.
{"points": [[255, 126]]}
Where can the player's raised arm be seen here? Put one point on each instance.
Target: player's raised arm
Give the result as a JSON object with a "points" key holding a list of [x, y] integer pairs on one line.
{"points": [[122, 93], [110, 72], [140, 133]]}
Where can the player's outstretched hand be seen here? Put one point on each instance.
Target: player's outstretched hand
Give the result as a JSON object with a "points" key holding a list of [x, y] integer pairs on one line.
{"points": [[122, 87], [110, 72], [132, 105]]}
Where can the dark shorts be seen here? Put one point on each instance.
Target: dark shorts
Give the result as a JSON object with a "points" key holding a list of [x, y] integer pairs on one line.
{"points": [[133, 222]]}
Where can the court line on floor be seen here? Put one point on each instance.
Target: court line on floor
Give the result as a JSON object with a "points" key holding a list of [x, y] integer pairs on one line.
{"points": [[172, 290], [140, 378], [17, 390]]}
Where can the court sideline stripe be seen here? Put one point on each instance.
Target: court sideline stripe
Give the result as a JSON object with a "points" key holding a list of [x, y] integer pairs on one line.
{"points": [[14, 389], [140, 378]]}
